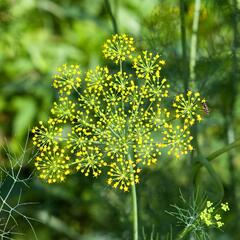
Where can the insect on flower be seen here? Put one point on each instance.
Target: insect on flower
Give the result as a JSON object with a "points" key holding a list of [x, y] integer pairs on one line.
{"points": [[205, 107]]}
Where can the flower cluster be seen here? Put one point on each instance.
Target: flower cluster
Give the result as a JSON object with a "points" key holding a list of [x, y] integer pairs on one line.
{"points": [[210, 215], [190, 107], [178, 139], [119, 48], [45, 136], [53, 165], [148, 66], [119, 121], [67, 78]]}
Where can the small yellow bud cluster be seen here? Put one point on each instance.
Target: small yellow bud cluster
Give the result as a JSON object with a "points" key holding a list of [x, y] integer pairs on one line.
{"points": [[121, 175], [90, 161], [67, 78], [189, 108], [45, 136], [178, 139], [78, 138], [158, 116], [210, 215], [148, 66], [98, 80], [64, 110], [119, 48], [53, 165], [118, 122]]}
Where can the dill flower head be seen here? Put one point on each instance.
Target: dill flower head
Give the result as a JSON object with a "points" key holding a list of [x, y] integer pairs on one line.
{"points": [[98, 80], [64, 110], [148, 65], [119, 48], [190, 107], [90, 160], [118, 123], [121, 175], [177, 139], [45, 136], [67, 78], [53, 165]]}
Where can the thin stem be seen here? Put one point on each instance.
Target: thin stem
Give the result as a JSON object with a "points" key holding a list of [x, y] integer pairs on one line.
{"points": [[193, 47], [184, 44], [135, 212], [184, 233], [219, 152], [113, 19], [120, 66], [134, 206], [216, 154]]}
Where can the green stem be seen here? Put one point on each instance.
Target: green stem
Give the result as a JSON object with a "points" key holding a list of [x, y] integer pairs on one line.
{"points": [[193, 46], [184, 233], [217, 153], [184, 44], [120, 66], [113, 19], [134, 206], [135, 212]]}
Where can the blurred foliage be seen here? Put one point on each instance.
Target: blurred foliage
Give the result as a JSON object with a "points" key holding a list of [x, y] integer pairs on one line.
{"points": [[37, 36]]}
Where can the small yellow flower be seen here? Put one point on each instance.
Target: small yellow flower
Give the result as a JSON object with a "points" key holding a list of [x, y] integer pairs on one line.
{"points": [[177, 139], [119, 48], [98, 80], [219, 224], [90, 160], [189, 108], [46, 136], [67, 78], [225, 207], [123, 174], [209, 204], [78, 139], [148, 66], [217, 217], [64, 110], [53, 165]]}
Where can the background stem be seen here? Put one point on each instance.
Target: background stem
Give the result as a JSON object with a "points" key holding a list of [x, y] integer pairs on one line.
{"points": [[113, 19], [193, 46], [184, 44]]}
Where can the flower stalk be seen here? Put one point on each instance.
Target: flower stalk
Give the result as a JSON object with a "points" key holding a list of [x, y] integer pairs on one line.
{"points": [[135, 212], [217, 153], [134, 206], [225, 149], [184, 232]]}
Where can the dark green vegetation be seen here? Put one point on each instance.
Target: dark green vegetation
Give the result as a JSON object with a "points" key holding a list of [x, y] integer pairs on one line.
{"points": [[199, 41]]}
